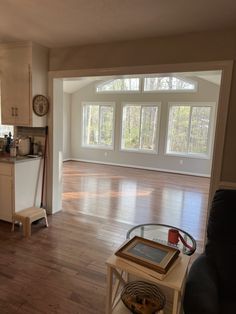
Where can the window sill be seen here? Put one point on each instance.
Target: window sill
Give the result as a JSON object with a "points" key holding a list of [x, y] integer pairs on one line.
{"points": [[153, 152], [98, 147], [206, 157]]}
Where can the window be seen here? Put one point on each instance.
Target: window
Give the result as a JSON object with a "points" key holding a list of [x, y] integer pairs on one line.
{"points": [[189, 129], [98, 125], [119, 85], [5, 129], [168, 83], [139, 127]]}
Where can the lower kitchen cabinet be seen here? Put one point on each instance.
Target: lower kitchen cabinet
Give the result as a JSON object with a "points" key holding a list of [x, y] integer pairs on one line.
{"points": [[20, 186], [6, 200]]}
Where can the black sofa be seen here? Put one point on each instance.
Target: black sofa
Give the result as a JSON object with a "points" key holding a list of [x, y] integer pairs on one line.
{"points": [[211, 282]]}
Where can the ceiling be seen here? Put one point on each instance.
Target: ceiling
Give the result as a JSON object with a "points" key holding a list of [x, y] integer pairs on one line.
{"points": [[60, 23]]}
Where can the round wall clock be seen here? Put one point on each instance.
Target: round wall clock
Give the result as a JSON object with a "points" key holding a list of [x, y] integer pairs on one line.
{"points": [[40, 105]]}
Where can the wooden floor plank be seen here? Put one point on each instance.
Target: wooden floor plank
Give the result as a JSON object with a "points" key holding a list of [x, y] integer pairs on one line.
{"points": [[61, 269]]}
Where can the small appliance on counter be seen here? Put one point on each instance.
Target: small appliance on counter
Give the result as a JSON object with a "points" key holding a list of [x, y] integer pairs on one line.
{"points": [[13, 151], [35, 149], [23, 146]]}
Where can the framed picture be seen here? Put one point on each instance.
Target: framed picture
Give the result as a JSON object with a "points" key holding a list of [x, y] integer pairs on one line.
{"points": [[148, 253]]}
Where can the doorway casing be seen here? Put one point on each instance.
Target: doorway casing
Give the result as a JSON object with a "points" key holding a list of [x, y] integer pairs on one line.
{"points": [[55, 122]]}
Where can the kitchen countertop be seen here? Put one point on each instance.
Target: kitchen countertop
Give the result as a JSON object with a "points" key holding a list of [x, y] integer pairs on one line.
{"points": [[8, 159]]}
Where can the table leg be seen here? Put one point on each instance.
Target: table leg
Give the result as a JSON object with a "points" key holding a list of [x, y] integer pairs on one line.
{"points": [[142, 231], [109, 290], [176, 302], [184, 247]]}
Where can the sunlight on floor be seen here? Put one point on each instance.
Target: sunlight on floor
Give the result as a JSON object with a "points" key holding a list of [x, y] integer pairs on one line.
{"points": [[135, 196]]}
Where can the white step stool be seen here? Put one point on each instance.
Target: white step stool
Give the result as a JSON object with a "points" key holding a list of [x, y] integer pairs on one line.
{"points": [[27, 216]]}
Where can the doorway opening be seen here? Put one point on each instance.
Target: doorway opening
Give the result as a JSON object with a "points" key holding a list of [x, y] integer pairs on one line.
{"points": [[161, 144], [159, 121]]}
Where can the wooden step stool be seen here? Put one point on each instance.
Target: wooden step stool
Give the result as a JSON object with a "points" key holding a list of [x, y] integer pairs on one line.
{"points": [[27, 216]]}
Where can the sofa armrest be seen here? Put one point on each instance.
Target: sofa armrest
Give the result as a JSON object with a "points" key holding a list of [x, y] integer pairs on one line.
{"points": [[201, 291]]}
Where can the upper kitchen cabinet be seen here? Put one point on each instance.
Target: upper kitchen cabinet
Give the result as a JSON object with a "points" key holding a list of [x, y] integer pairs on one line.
{"points": [[23, 73]]}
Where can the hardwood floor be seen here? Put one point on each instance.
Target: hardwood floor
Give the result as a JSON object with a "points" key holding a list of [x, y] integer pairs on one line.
{"points": [[136, 196], [61, 269]]}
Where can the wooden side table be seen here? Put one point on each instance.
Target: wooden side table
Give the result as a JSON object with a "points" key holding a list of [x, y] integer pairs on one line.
{"points": [[120, 270]]}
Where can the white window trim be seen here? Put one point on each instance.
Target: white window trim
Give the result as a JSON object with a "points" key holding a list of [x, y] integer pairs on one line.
{"points": [[119, 91], [147, 104], [173, 90], [212, 124], [89, 103]]}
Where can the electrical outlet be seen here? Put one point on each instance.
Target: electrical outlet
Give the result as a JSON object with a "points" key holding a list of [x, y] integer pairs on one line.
{"points": [[181, 161]]}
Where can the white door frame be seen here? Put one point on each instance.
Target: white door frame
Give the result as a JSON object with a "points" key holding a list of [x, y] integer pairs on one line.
{"points": [[54, 182]]}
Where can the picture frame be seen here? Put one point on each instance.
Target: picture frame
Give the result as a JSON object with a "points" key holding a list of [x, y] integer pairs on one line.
{"points": [[148, 253]]}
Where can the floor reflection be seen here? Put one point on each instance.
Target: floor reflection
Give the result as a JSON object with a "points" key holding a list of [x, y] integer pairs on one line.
{"points": [[137, 196]]}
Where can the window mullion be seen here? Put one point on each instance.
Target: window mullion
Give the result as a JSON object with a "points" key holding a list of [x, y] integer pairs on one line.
{"points": [[154, 134], [99, 124], [87, 125], [140, 127], [189, 128], [141, 84]]}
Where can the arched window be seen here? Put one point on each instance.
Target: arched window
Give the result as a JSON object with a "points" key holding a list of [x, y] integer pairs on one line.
{"points": [[168, 83], [120, 85]]}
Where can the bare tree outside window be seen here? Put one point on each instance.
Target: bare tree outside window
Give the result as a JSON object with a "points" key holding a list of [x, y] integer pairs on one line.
{"points": [[98, 125], [167, 83], [188, 129], [119, 85], [5, 129], [139, 127]]}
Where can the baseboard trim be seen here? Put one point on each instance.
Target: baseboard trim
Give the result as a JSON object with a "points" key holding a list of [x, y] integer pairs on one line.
{"points": [[140, 167], [227, 185]]}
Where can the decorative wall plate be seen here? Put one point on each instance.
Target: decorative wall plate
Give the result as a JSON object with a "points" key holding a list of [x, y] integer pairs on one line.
{"points": [[40, 105]]}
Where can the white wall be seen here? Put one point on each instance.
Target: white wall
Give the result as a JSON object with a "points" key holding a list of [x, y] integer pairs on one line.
{"points": [[57, 152], [66, 126], [207, 92]]}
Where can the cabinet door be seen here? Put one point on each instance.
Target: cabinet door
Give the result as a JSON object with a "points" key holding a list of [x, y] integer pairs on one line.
{"points": [[23, 92], [6, 199], [15, 86], [29, 193]]}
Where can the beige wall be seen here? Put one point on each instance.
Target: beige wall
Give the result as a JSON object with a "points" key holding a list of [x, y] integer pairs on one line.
{"points": [[178, 49], [198, 47]]}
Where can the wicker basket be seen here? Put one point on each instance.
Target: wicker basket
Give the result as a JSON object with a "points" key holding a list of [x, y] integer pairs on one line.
{"points": [[142, 297]]}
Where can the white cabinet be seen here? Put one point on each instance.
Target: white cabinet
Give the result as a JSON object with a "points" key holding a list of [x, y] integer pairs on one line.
{"points": [[20, 186], [6, 197], [23, 73]]}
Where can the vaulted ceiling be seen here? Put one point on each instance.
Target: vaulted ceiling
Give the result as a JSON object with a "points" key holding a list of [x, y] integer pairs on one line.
{"points": [[72, 85], [56, 23]]}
